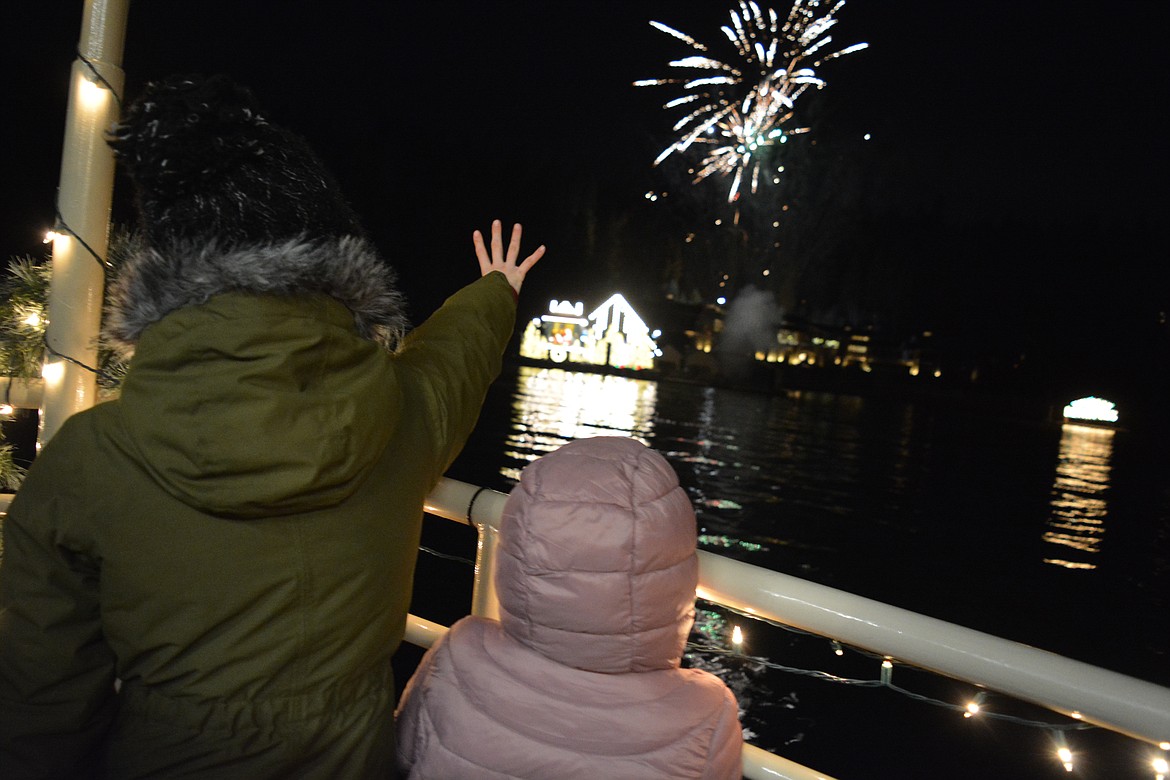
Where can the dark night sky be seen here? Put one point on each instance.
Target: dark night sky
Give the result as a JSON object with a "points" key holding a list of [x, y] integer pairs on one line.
{"points": [[1013, 143]]}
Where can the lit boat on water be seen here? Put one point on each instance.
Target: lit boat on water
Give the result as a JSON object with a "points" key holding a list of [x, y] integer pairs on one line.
{"points": [[1092, 411]]}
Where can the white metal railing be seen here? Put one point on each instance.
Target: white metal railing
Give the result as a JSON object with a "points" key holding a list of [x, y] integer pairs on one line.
{"points": [[1114, 701], [1111, 700]]}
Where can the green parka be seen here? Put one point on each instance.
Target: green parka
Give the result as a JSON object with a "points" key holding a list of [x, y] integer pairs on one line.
{"points": [[231, 543]]}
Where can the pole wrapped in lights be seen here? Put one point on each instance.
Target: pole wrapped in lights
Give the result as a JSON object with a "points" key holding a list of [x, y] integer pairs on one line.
{"points": [[84, 202]]}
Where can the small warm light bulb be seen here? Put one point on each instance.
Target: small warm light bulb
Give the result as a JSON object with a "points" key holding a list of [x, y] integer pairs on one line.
{"points": [[50, 236], [1066, 757], [6, 409], [837, 649], [1160, 767], [32, 320], [1164, 745], [737, 636], [53, 372], [975, 706], [92, 94]]}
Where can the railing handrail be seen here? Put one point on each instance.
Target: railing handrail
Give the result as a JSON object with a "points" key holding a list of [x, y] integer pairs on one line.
{"points": [[1118, 702]]}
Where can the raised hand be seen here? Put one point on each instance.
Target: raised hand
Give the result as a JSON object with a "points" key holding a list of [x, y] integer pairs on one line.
{"points": [[503, 262]]}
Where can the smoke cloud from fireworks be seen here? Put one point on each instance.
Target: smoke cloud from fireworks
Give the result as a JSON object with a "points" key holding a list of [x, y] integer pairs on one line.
{"points": [[748, 327]]}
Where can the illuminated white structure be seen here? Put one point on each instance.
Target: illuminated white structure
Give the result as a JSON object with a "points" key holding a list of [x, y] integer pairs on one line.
{"points": [[1091, 410], [557, 335], [612, 335]]}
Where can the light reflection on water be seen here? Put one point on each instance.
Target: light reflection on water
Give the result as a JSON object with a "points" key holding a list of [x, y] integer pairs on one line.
{"points": [[1079, 508], [552, 407], [740, 456], [800, 472]]}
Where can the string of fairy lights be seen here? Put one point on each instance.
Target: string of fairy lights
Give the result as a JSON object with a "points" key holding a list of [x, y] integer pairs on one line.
{"points": [[59, 230], [62, 230], [97, 78], [94, 90], [977, 707]]}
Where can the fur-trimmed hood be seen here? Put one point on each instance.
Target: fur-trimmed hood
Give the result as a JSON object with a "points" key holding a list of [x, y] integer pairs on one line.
{"points": [[250, 393], [153, 282]]}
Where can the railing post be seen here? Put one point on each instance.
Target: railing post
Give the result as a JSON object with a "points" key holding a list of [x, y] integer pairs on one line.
{"points": [[84, 201], [464, 503], [484, 600], [21, 393]]}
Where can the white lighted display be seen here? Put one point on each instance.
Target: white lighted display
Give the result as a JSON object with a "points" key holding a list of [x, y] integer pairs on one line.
{"points": [[612, 335], [1091, 408], [566, 309]]}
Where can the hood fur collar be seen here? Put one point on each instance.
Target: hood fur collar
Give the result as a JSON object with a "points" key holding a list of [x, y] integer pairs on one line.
{"points": [[152, 283]]}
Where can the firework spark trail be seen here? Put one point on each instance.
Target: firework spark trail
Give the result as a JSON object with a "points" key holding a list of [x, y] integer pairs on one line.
{"points": [[740, 110]]}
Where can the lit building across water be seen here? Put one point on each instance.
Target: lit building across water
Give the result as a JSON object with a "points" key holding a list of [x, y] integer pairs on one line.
{"points": [[611, 335]]}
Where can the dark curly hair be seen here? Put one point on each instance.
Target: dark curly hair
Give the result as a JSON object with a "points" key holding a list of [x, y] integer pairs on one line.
{"points": [[207, 165]]}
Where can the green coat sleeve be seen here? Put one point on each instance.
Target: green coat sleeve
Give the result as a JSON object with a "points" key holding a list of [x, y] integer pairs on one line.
{"points": [[455, 355], [56, 671]]}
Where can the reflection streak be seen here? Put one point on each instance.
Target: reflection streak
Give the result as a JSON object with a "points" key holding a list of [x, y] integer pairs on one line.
{"points": [[552, 406], [1079, 509]]}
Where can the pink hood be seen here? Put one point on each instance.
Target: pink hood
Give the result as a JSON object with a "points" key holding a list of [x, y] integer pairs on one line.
{"points": [[597, 566]]}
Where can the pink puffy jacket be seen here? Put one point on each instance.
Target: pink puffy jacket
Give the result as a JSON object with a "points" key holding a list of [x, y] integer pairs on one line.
{"points": [[580, 678]]}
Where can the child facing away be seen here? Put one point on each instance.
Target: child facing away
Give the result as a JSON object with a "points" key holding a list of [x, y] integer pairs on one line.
{"points": [[580, 677]]}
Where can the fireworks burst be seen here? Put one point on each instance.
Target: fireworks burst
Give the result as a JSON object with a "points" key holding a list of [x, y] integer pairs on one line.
{"points": [[740, 111]]}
